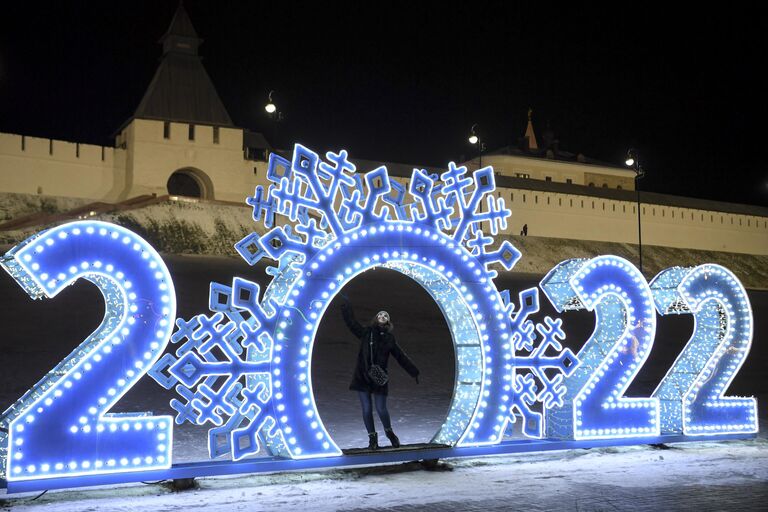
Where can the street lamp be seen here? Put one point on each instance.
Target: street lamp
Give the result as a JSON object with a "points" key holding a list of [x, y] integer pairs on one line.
{"points": [[270, 107], [274, 114], [634, 162], [474, 138], [272, 110]]}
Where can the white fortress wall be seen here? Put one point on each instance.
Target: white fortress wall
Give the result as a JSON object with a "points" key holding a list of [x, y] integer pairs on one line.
{"points": [[31, 165], [145, 158], [556, 215], [229, 176]]}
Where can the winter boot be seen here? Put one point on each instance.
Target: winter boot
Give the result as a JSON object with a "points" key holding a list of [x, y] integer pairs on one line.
{"points": [[373, 441], [392, 438]]}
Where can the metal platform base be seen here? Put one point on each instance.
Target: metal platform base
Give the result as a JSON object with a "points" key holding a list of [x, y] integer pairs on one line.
{"points": [[388, 449], [354, 458]]}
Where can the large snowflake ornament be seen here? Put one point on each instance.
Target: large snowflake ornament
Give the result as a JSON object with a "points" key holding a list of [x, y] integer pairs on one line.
{"points": [[245, 368]]}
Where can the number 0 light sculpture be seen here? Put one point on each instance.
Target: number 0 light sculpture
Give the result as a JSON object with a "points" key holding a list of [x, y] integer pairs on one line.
{"points": [[262, 392]]}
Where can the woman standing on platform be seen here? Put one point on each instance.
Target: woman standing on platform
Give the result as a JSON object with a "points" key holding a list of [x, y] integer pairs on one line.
{"points": [[376, 345]]}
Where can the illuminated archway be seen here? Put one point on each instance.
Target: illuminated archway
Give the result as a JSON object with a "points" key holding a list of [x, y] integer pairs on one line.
{"points": [[461, 298], [263, 384], [422, 331]]}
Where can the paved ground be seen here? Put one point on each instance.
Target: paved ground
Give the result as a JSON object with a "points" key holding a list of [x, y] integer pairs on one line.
{"points": [[601, 498]]}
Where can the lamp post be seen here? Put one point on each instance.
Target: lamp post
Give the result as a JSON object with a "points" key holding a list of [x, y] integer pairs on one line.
{"points": [[633, 161], [274, 114], [270, 107], [474, 138]]}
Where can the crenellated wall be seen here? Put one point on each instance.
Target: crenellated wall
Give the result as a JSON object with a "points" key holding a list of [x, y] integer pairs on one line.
{"points": [[556, 215], [141, 163], [148, 152], [584, 217], [221, 165], [557, 171], [31, 165]]}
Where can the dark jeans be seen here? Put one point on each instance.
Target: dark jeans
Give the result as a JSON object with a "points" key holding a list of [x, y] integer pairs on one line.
{"points": [[381, 408]]}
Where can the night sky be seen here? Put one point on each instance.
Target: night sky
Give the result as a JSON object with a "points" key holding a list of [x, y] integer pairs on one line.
{"points": [[404, 82]]}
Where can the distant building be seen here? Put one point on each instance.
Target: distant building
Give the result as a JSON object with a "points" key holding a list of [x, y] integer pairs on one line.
{"points": [[547, 162], [181, 141]]}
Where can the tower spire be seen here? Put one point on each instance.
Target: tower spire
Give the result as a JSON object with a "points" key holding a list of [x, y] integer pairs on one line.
{"points": [[181, 36], [529, 133], [181, 90]]}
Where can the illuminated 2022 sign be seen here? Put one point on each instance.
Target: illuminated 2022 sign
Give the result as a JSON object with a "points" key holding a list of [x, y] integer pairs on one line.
{"points": [[244, 370]]}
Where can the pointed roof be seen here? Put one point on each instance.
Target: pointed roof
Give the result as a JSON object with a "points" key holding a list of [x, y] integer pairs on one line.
{"points": [[529, 133], [181, 89], [181, 25]]}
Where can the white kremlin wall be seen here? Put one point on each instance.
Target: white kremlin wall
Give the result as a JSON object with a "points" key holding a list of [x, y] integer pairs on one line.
{"points": [[556, 215], [144, 159]]}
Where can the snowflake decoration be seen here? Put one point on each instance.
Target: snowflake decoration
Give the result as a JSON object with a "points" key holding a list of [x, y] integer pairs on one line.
{"points": [[245, 369]]}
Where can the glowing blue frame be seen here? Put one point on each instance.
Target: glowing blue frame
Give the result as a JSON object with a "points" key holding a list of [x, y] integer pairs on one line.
{"points": [[258, 396], [61, 427], [436, 240], [595, 406], [692, 392]]}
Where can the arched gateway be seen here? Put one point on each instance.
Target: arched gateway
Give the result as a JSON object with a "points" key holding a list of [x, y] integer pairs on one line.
{"points": [[190, 182], [261, 390]]}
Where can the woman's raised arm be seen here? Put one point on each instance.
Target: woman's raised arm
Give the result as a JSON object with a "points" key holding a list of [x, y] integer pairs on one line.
{"points": [[349, 319]]}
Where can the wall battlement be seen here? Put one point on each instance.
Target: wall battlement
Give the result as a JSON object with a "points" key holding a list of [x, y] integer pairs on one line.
{"points": [[45, 167], [12, 144]]}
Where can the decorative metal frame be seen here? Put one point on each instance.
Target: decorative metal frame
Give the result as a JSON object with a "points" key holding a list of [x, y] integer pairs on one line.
{"points": [[245, 369]]}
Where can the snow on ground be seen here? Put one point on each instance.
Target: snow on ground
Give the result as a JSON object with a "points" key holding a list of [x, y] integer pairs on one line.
{"points": [[13, 205], [706, 476], [710, 476], [190, 226]]}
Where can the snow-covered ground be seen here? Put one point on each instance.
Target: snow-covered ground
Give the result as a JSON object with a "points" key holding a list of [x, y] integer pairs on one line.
{"points": [[708, 476], [701, 476], [190, 226]]}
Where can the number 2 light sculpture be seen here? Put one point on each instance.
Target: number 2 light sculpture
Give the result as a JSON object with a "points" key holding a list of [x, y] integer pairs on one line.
{"points": [[690, 399], [61, 427], [595, 406], [691, 393]]}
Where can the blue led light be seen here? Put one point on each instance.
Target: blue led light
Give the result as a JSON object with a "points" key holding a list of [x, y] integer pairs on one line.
{"points": [[692, 393], [436, 240], [213, 388], [245, 369], [61, 427], [595, 406]]}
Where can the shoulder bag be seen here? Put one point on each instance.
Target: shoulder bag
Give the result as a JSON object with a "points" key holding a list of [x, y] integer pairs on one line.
{"points": [[376, 373]]}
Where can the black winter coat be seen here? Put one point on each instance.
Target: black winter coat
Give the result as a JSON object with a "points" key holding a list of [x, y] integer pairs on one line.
{"points": [[384, 344]]}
